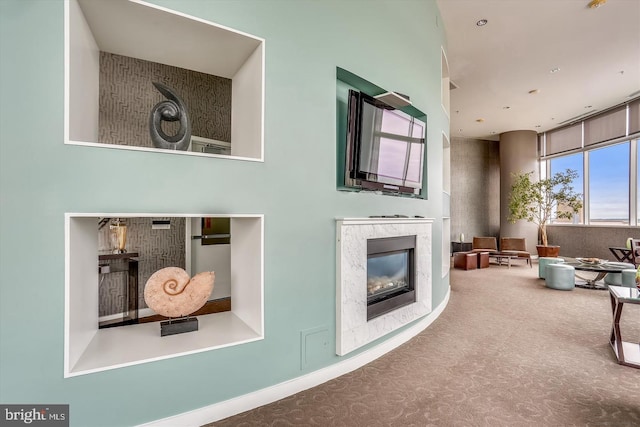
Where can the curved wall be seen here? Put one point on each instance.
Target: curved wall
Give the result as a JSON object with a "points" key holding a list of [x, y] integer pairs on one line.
{"points": [[295, 188], [518, 153]]}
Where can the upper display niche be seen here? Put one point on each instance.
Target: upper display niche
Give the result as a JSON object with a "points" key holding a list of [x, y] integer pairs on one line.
{"points": [[117, 49]]}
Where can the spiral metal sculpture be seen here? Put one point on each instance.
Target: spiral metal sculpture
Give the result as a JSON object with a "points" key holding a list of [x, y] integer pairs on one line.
{"points": [[170, 110]]}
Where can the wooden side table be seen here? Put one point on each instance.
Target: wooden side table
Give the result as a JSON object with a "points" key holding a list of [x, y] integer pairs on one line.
{"points": [[627, 353], [460, 247]]}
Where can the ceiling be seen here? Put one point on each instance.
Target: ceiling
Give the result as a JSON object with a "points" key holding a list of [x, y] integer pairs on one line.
{"points": [[595, 53]]}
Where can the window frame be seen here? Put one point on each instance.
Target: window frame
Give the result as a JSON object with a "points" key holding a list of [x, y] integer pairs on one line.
{"points": [[634, 173], [631, 135]]}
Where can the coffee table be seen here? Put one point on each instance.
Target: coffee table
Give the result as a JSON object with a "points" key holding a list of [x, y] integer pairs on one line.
{"points": [[503, 256], [601, 270], [627, 353]]}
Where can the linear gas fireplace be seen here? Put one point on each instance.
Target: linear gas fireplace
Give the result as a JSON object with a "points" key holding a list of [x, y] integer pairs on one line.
{"points": [[396, 248], [390, 274]]}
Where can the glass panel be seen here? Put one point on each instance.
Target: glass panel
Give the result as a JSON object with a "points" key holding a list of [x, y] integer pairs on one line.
{"points": [[393, 160], [560, 164], [638, 181], [414, 168], [609, 185], [418, 130], [387, 273], [392, 157], [395, 124]]}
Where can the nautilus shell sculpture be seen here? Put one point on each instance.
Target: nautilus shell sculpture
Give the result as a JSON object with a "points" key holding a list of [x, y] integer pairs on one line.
{"points": [[170, 110], [171, 293]]}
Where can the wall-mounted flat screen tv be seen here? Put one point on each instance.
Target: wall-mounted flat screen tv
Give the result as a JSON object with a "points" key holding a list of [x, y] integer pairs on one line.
{"points": [[385, 147]]}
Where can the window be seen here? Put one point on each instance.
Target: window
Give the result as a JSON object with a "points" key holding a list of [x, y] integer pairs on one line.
{"points": [[560, 164], [605, 151], [609, 185]]}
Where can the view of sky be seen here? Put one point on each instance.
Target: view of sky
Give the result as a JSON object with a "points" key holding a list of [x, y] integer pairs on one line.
{"points": [[608, 181]]}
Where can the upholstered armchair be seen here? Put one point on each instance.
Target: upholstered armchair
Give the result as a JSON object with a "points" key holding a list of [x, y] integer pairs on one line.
{"points": [[484, 244], [516, 245]]}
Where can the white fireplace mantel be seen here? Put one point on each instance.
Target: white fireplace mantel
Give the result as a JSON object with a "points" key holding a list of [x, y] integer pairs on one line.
{"points": [[352, 328]]}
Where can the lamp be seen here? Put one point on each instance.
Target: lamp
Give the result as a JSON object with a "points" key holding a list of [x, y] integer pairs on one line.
{"points": [[118, 236]]}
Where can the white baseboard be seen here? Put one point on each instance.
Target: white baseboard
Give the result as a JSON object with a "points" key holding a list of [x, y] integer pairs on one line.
{"points": [[236, 405]]}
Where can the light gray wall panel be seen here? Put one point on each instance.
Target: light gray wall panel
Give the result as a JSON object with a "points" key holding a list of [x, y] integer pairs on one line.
{"points": [[475, 188], [127, 96], [518, 153]]}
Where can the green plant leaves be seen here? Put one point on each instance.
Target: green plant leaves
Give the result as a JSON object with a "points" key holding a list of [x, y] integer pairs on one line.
{"points": [[537, 201]]}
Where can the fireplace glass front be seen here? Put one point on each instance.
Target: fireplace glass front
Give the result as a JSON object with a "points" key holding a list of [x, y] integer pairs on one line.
{"points": [[390, 274]]}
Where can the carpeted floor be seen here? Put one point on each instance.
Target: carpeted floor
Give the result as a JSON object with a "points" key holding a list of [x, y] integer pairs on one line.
{"points": [[505, 352]]}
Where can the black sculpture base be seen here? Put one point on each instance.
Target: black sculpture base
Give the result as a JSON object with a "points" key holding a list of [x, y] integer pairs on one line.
{"points": [[178, 326]]}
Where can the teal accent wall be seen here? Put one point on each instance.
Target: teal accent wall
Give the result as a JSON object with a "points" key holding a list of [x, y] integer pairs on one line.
{"points": [[394, 43]]}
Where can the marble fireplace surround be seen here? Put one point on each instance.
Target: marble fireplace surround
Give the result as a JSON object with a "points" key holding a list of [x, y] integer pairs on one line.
{"points": [[352, 328]]}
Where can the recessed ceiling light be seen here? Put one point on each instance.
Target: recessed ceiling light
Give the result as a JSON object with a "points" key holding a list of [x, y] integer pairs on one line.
{"points": [[554, 70], [480, 120], [587, 106], [506, 107], [594, 4], [538, 126], [534, 91], [482, 23]]}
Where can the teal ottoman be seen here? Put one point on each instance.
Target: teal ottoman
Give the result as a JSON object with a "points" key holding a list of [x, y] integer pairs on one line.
{"points": [[560, 276], [629, 278], [615, 279], [543, 262]]}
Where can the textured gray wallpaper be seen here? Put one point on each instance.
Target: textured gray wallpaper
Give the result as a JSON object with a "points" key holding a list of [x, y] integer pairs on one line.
{"points": [[475, 188], [589, 241], [157, 249], [127, 96]]}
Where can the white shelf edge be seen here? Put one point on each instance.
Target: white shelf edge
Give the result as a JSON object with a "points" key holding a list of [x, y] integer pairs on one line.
{"points": [[195, 18], [160, 150], [160, 215], [106, 338]]}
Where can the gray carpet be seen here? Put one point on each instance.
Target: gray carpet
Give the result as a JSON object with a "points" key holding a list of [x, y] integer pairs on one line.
{"points": [[505, 352]]}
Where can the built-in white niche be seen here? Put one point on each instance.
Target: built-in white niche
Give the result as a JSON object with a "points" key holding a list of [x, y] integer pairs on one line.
{"points": [[139, 30], [446, 164], [446, 246], [90, 349], [446, 205], [446, 82]]}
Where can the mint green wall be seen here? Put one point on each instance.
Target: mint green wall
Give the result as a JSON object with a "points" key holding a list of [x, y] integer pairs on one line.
{"points": [[394, 44]]}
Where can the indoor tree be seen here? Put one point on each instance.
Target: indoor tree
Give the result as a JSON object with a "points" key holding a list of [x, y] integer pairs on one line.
{"points": [[536, 201]]}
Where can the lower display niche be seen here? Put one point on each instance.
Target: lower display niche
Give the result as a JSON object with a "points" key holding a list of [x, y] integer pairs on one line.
{"points": [[88, 348], [383, 277]]}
